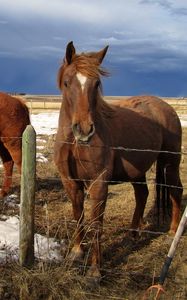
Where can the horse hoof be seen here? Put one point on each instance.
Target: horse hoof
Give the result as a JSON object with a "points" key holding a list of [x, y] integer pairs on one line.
{"points": [[133, 234], [171, 232], [92, 283], [94, 272], [76, 255], [3, 194], [93, 278]]}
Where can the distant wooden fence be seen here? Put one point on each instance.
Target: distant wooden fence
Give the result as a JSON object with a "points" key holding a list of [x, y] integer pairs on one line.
{"points": [[54, 101], [27, 204]]}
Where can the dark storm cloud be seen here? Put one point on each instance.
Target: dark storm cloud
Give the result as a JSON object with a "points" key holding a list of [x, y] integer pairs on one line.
{"points": [[145, 37]]}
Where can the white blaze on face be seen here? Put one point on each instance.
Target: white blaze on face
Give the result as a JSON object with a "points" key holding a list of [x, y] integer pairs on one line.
{"points": [[82, 79]]}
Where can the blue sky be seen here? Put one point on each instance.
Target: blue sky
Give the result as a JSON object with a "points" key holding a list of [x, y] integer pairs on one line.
{"points": [[147, 43]]}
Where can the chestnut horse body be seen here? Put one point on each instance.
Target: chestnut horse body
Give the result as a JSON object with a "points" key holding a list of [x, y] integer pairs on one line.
{"points": [[98, 143], [14, 117]]}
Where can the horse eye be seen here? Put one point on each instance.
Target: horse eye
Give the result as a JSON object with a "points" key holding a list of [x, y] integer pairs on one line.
{"points": [[65, 83], [97, 83]]}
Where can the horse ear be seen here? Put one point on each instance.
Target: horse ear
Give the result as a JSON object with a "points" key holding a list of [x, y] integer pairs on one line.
{"points": [[70, 52], [101, 54]]}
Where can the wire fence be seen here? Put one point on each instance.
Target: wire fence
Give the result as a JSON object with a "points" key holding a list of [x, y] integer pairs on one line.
{"points": [[150, 180]]}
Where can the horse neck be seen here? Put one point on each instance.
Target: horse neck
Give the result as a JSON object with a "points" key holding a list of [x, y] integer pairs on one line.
{"points": [[103, 113]]}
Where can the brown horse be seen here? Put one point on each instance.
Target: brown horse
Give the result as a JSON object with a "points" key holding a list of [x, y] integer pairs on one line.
{"points": [[14, 117], [98, 143]]}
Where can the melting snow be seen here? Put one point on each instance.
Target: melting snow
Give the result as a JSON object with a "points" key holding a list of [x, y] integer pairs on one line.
{"points": [[45, 123], [44, 248]]}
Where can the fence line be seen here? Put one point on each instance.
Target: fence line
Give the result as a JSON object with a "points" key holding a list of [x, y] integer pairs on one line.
{"points": [[54, 101], [149, 180], [108, 146], [122, 148], [125, 229]]}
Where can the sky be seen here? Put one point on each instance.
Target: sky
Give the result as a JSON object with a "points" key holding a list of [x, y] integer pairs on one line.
{"points": [[147, 43], [45, 248]]}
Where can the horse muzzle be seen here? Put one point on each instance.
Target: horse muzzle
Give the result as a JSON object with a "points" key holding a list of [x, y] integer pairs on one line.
{"points": [[83, 136]]}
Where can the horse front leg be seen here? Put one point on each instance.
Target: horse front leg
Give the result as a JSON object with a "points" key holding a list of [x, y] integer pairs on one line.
{"points": [[7, 179], [76, 193], [98, 196]]}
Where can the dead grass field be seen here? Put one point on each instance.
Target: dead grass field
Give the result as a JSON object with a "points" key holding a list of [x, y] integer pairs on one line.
{"points": [[129, 266]]}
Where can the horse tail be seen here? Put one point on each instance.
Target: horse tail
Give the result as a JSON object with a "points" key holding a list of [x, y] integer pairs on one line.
{"points": [[162, 192]]}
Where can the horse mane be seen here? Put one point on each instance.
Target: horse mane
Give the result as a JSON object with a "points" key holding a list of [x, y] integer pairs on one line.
{"points": [[104, 110], [85, 64], [89, 66]]}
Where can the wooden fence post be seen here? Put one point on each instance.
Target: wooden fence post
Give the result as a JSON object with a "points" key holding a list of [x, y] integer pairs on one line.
{"points": [[27, 203]]}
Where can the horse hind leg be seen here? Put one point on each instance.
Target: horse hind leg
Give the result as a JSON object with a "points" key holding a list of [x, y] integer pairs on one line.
{"points": [[141, 193], [16, 154], [175, 194], [8, 168], [162, 195]]}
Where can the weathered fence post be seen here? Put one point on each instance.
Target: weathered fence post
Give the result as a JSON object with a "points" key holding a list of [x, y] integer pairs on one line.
{"points": [[27, 203]]}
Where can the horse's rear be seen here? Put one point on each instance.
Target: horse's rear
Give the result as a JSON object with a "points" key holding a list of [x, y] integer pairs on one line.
{"points": [[169, 156], [14, 117]]}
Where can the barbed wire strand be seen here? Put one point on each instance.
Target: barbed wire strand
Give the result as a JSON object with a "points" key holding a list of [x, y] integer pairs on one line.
{"points": [[120, 148]]}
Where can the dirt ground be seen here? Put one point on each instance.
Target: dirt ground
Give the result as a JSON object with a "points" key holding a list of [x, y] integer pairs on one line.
{"points": [[129, 265]]}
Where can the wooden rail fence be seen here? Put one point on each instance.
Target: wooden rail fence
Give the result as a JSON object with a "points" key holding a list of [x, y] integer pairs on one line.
{"points": [[54, 101]]}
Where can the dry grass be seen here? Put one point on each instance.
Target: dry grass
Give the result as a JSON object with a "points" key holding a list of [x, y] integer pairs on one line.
{"points": [[129, 266]]}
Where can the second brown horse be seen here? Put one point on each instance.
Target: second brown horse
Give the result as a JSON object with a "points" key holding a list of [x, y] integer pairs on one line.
{"points": [[14, 117]]}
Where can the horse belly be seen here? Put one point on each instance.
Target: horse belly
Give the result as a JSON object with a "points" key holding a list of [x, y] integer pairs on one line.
{"points": [[132, 166]]}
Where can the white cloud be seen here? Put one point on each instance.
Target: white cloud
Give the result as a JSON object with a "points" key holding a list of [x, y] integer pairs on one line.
{"points": [[70, 10], [121, 12]]}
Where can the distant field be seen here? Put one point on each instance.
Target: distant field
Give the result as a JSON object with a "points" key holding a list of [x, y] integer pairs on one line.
{"points": [[54, 101]]}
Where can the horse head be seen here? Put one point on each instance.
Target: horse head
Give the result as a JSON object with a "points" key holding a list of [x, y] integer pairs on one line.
{"points": [[79, 79]]}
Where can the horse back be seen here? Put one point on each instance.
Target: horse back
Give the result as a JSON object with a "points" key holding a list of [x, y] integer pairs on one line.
{"points": [[160, 113], [144, 123], [14, 115]]}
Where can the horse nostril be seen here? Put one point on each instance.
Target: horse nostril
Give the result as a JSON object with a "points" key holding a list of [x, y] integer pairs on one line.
{"points": [[76, 129], [92, 129], [83, 134]]}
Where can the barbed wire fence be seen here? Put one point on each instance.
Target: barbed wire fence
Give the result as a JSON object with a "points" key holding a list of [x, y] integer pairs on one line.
{"points": [[150, 180]]}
